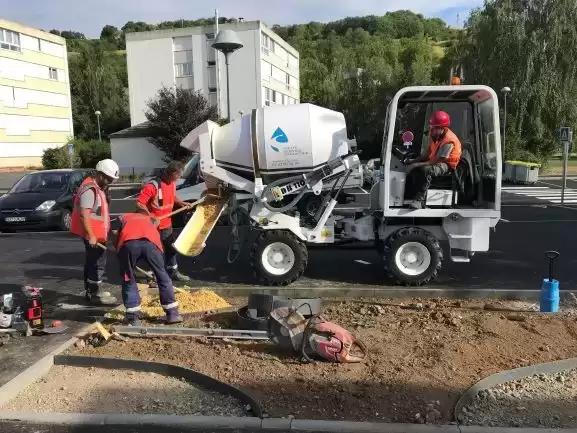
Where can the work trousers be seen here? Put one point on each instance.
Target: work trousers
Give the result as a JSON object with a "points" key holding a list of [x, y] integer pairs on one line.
{"points": [[423, 176], [128, 257], [94, 266], [167, 237]]}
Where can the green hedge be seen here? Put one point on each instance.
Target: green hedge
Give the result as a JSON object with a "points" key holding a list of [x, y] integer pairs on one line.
{"points": [[86, 155]]}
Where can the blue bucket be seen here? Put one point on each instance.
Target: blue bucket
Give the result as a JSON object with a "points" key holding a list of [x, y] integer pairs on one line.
{"points": [[549, 298]]}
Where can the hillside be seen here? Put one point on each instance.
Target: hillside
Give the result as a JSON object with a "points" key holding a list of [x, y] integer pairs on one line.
{"points": [[394, 49]]}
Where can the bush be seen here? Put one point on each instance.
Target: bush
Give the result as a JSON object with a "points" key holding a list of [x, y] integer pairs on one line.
{"points": [[58, 157], [90, 152]]}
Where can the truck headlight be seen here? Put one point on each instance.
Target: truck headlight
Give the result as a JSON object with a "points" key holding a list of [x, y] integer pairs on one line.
{"points": [[46, 206]]}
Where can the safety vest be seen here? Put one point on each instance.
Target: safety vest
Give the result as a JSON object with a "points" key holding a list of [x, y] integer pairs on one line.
{"points": [[455, 155], [135, 226], [163, 202], [99, 215]]}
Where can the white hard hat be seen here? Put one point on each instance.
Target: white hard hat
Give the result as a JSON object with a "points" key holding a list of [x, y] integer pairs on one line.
{"points": [[108, 167]]}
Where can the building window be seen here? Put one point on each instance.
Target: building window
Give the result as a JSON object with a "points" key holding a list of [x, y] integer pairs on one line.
{"points": [[265, 47], [184, 69], [9, 40], [210, 36], [275, 97], [53, 73], [266, 92], [212, 98]]}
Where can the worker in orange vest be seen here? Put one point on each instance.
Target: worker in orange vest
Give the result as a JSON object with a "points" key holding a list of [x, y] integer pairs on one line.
{"points": [[157, 199], [139, 239], [91, 221], [443, 157]]}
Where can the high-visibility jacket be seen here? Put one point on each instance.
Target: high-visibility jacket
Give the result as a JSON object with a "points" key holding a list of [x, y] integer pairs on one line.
{"points": [[448, 137], [99, 215], [135, 226], [162, 202]]}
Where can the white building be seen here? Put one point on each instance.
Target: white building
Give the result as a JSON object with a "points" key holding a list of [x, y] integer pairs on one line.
{"points": [[265, 71]]}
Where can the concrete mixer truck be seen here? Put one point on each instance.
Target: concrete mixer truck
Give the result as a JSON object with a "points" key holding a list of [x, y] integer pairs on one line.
{"points": [[264, 163]]}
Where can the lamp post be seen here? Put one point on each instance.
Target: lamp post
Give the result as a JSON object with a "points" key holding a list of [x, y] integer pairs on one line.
{"points": [[227, 42], [98, 114], [506, 91]]}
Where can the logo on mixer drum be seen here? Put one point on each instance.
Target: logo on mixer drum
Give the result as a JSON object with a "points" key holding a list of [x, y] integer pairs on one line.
{"points": [[280, 137]]}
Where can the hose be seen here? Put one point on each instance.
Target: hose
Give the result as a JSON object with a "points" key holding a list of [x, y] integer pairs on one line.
{"points": [[237, 242], [289, 206]]}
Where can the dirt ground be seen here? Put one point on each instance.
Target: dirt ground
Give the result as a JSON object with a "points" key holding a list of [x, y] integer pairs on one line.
{"points": [[106, 391], [423, 354]]}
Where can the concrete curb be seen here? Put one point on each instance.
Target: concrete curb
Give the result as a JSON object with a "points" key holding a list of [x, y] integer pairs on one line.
{"points": [[377, 292], [511, 375], [255, 424], [37, 370]]}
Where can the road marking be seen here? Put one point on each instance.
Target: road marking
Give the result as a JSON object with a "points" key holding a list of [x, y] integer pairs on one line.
{"points": [[362, 262], [504, 220], [545, 194]]}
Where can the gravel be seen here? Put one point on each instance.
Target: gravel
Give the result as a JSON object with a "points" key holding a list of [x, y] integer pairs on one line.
{"points": [[542, 400], [94, 390]]}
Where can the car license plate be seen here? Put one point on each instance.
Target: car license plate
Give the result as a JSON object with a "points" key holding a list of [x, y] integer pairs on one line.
{"points": [[15, 219]]}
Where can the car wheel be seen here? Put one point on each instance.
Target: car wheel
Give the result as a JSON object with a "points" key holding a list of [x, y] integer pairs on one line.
{"points": [[65, 220]]}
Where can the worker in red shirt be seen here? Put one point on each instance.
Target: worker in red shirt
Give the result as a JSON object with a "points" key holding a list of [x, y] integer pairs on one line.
{"points": [[139, 239], [91, 221], [443, 157], [157, 199]]}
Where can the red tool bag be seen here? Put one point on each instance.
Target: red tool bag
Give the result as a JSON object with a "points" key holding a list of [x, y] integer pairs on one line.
{"points": [[315, 336]]}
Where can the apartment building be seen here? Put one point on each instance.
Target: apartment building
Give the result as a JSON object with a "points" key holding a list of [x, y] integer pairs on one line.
{"points": [[35, 103], [265, 71]]}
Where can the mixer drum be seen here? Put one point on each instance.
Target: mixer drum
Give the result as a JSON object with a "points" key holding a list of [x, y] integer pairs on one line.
{"points": [[290, 139]]}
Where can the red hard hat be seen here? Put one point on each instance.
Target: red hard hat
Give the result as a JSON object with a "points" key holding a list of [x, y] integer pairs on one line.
{"points": [[440, 119]]}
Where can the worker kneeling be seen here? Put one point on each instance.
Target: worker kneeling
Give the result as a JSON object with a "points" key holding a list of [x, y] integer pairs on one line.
{"points": [[139, 239], [443, 157]]}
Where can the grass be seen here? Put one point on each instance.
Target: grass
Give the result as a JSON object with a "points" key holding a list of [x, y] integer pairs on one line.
{"points": [[555, 166]]}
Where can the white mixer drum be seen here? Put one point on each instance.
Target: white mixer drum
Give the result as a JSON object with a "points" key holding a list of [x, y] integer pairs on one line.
{"points": [[291, 139]]}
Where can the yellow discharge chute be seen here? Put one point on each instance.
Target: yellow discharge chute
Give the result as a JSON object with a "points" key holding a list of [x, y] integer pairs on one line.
{"points": [[192, 238]]}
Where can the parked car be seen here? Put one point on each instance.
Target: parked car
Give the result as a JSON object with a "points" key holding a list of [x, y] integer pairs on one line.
{"points": [[41, 200]]}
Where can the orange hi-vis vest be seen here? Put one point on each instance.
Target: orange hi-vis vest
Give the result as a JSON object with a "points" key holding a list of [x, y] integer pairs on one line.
{"points": [[448, 137], [135, 226], [99, 218], [163, 202]]}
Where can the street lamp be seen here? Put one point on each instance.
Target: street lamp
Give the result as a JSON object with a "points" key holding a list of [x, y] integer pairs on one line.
{"points": [[98, 114], [227, 42], [506, 91]]}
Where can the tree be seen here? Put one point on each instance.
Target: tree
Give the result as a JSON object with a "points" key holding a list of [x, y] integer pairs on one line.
{"points": [[97, 84], [530, 46], [173, 114], [111, 35]]}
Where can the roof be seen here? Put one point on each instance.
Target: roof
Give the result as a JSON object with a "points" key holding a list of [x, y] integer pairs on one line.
{"points": [[60, 170], [189, 31], [142, 130], [31, 31]]}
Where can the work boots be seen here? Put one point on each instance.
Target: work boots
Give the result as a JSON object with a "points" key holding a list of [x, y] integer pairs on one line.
{"points": [[132, 319], [100, 298], [172, 316], [181, 278]]}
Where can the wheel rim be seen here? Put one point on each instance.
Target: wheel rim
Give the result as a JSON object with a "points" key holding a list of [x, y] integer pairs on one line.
{"points": [[413, 258], [278, 258], [67, 219]]}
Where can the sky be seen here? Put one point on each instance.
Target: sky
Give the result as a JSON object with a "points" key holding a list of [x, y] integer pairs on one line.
{"points": [[89, 16]]}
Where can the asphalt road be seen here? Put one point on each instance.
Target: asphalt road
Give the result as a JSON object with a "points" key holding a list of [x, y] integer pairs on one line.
{"points": [[531, 225]]}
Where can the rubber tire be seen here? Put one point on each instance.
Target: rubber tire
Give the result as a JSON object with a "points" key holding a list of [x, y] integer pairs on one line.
{"points": [[412, 234], [243, 321], [63, 214], [299, 249]]}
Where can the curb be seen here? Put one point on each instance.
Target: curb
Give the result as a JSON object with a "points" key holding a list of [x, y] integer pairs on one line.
{"points": [[511, 375], [37, 370], [377, 292], [254, 424]]}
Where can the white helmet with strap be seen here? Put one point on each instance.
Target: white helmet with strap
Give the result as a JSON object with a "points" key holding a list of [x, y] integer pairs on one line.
{"points": [[108, 167]]}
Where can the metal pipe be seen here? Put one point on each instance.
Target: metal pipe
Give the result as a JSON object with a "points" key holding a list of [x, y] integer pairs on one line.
{"points": [[227, 85]]}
